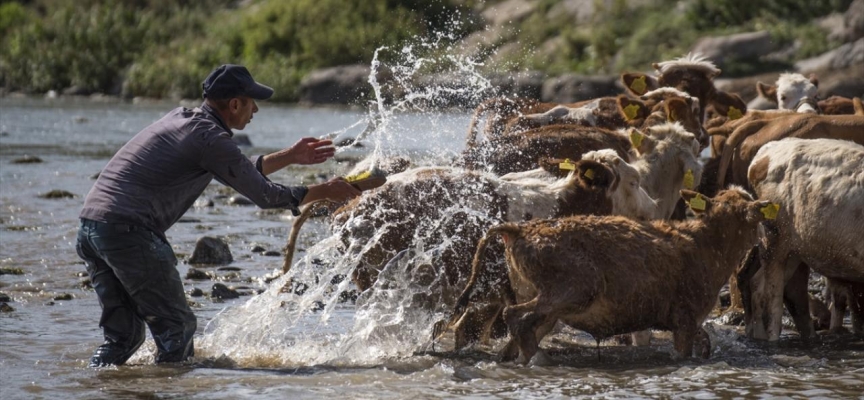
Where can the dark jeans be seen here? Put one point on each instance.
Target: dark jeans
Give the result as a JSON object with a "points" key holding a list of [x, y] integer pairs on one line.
{"points": [[133, 271]]}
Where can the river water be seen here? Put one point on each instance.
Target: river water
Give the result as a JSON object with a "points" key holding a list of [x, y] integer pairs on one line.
{"points": [[277, 345]]}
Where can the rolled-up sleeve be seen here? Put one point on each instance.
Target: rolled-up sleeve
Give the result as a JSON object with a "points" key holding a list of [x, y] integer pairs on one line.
{"points": [[223, 159]]}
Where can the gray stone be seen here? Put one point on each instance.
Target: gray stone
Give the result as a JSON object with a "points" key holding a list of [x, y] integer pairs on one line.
{"points": [[57, 194], [6, 308], [220, 291], [27, 160], [509, 11], [720, 49], [196, 292], [338, 85], [210, 250], [5, 298], [522, 84], [845, 56], [197, 275], [571, 88]]}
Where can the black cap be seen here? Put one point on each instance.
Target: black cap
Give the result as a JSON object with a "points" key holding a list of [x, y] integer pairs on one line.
{"points": [[230, 81]]}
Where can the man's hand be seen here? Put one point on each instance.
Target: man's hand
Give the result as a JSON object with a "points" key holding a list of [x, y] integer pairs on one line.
{"points": [[307, 151], [336, 189], [311, 151]]}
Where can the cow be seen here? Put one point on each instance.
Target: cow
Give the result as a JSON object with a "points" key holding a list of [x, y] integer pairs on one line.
{"points": [[449, 209], [608, 275], [821, 184], [791, 88]]}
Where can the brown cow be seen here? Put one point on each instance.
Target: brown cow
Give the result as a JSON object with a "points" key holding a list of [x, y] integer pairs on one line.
{"points": [[613, 275]]}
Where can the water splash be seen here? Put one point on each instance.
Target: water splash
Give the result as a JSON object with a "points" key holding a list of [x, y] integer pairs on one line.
{"points": [[303, 318]]}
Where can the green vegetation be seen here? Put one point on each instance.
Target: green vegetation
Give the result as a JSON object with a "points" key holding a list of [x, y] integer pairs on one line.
{"points": [[164, 48]]}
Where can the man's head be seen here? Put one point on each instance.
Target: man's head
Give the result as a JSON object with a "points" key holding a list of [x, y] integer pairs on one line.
{"points": [[232, 91]]}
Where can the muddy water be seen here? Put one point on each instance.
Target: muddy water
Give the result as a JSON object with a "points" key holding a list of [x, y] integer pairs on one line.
{"points": [[277, 345]]}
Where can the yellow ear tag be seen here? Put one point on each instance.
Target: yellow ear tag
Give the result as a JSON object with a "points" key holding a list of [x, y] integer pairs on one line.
{"points": [[688, 179], [770, 211], [636, 139], [697, 203], [638, 85], [734, 113], [589, 174], [358, 177], [567, 165], [630, 111]]}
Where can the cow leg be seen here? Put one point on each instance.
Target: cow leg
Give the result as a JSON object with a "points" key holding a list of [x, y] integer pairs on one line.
{"points": [[856, 307], [797, 301], [838, 296], [702, 344], [768, 301], [522, 320], [474, 326], [682, 340]]}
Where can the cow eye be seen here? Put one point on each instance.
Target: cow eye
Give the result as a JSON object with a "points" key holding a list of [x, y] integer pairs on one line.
{"points": [[783, 98]]}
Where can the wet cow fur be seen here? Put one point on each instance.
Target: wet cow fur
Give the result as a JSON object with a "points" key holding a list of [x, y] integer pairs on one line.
{"points": [[820, 182], [613, 275]]}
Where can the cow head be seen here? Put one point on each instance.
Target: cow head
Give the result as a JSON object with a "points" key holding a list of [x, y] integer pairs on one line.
{"points": [[734, 201], [789, 90], [628, 197]]}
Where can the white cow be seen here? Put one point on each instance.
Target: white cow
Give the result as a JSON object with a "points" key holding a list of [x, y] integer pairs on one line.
{"points": [[819, 184]]}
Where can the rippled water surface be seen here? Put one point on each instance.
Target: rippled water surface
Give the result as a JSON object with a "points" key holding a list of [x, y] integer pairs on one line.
{"points": [[278, 345]]}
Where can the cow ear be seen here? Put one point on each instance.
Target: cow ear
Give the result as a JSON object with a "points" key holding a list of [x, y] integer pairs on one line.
{"points": [[638, 83], [769, 92], [676, 108], [729, 104], [593, 173], [698, 202], [553, 166], [632, 109], [641, 142]]}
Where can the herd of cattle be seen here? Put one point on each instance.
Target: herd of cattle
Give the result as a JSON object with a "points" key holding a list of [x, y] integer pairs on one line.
{"points": [[600, 214]]}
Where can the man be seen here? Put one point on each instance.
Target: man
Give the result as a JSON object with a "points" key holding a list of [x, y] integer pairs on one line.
{"points": [[150, 183]]}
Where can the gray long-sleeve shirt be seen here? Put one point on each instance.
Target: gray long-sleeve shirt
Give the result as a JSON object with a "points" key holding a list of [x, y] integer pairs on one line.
{"points": [[155, 177]]}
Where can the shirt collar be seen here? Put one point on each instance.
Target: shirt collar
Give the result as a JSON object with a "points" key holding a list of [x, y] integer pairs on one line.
{"points": [[215, 114]]}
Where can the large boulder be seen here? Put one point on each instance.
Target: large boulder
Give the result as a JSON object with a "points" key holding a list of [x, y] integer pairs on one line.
{"points": [[509, 12], [522, 84], [571, 88], [845, 56], [338, 85], [721, 49], [211, 250]]}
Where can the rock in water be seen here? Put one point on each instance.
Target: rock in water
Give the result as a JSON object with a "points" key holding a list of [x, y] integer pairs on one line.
{"points": [[221, 291], [210, 250]]}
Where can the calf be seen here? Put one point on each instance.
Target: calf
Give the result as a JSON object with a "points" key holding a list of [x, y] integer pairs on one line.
{"points": [[613, 275], [821, 184], [791, 88]]}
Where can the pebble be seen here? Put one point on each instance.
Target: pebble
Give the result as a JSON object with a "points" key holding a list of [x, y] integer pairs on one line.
{"points": [[197, 274], [221, 291]]}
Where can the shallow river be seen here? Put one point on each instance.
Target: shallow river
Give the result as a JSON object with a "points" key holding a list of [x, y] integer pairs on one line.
{"points": [[268, 345]]}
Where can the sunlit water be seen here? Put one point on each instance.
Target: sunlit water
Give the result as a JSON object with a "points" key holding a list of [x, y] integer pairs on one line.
{"points": [[270, 344]]}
